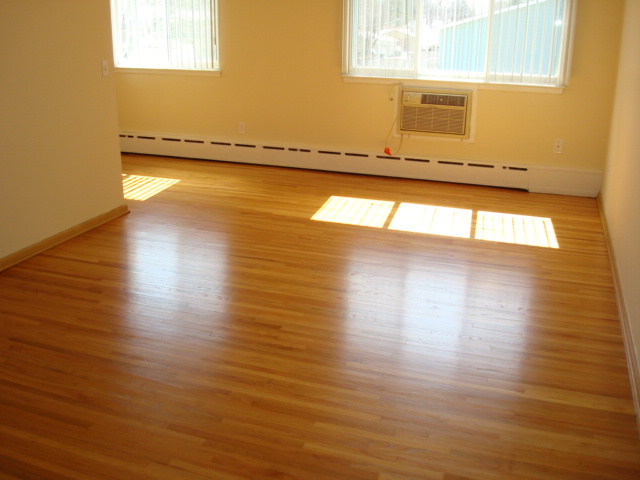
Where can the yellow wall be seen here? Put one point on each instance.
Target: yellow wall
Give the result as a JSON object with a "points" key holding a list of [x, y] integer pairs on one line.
{"points": [[60, 163], [281, 74], [621, 195]]}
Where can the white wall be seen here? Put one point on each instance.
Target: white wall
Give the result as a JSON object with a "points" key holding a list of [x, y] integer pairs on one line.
{"points": [[621, 192], [60, 163]]}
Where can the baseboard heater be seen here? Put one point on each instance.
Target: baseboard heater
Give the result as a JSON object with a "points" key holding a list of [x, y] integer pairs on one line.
{"points": [[563, 181]]}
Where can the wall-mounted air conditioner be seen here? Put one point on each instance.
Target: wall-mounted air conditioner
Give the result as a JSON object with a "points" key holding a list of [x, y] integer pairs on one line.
{"points": [[435, 112]]}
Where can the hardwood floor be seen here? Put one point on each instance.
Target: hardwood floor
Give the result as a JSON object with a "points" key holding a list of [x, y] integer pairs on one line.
{"points": [[218, 332]]}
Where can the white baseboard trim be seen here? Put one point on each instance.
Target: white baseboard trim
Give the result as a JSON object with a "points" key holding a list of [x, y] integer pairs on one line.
{"points": [[562, 181], [565, 181], [633, 359]]}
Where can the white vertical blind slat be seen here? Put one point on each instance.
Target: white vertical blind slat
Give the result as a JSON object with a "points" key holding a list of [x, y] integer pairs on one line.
{"points": [[165, 34], [508, 41]]}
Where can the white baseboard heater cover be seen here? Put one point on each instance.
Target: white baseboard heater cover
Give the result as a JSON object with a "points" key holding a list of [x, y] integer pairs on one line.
{"points": [[563, 181]]}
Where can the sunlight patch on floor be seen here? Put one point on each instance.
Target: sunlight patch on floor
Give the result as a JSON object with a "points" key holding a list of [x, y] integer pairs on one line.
{"points": [[354, 211], [451, 222], [141, 188], [519, 229], [445, 221]]}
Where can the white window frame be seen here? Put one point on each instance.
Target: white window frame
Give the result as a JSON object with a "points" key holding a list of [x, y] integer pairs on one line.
{"points": [[485, 83], [213, 45]]}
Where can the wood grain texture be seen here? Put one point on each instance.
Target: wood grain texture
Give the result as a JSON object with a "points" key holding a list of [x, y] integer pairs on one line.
{"points": [[217, 332], [625, 320], [39, 247]]}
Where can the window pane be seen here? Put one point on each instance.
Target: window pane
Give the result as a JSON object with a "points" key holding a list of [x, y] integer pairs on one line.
{"points": [[384, 37], [527, 41], [164, 34], [507, 41], [456, 33]]}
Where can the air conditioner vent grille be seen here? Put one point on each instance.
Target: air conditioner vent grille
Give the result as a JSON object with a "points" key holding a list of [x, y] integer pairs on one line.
{"points": [[435, 113], [436, 120]]}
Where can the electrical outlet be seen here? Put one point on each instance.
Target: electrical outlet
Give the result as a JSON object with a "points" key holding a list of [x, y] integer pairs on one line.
{"points": [[558, 143], [241, 128]]}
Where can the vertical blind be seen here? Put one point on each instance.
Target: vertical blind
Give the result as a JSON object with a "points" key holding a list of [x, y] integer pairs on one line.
{"points": [[502, 41], [165, 34]]}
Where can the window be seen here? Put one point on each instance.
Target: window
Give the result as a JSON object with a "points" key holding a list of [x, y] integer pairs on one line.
{"points": [[495, 41], [165, 34]]}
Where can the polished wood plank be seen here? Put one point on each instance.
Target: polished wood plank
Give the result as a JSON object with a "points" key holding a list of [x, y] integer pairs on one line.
{"points": [[47, 243], [218, 332]]}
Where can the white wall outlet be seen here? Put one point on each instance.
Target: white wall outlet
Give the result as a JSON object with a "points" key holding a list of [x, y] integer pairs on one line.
{"points": [[105, 68], [558, 143], [241, 127]]}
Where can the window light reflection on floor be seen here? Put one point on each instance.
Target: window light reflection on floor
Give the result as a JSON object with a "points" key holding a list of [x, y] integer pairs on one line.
{"points": [[446, 221], [519, 229], [141, 188], [354, 211], [451, 222]]}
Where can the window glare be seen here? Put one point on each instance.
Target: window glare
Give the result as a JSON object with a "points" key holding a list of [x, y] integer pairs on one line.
{"points": [[516, 41], [165, 34]]}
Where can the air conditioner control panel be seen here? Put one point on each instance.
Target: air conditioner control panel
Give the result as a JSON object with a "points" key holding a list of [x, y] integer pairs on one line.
{"points": [[410, 97]]}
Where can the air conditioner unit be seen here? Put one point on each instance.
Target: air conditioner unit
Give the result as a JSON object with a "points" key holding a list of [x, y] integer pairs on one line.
{"points": [[436, 113]]}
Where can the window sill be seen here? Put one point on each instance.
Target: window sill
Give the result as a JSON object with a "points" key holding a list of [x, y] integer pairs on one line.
{"points": [[507, 87], [158, 71]]}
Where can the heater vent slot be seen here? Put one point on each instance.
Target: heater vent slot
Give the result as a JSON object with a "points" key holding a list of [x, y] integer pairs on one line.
{"points": [[424, 160], [426, 112], [480, 165]]}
